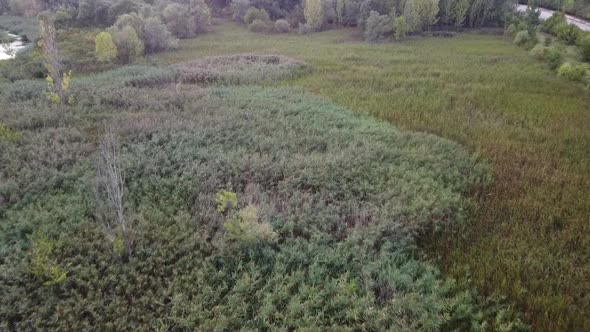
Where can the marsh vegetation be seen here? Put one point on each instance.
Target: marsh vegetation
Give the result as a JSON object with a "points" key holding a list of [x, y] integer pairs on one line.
{"points": [[388, 175]]}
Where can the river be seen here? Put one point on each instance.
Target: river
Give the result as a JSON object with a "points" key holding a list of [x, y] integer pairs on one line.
{"points": [[8, 51]]}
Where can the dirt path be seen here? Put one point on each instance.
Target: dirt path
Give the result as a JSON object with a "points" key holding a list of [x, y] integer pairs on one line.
{"points": [[546, 13]]}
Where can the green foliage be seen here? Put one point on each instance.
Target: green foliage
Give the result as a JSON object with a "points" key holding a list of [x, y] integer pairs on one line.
{"points": [[253, 14], [571, 72], [282, 26], [43, 265], [314, 14], [187, 20], [7, 135], [427, 11], [244, 228], [239, 69], [411, 16], [323, 235], [178, 20], [548, 40], [156, 36], [568, 33], [400, 27], [584, 44], [539, 51], [510, 30], [459, 12], [551, 24], [522, 38], [239, 8], [130, 48], [553, 57], [378, 27], [340, 11], [226, 201], [106, 50], [258, 26]]}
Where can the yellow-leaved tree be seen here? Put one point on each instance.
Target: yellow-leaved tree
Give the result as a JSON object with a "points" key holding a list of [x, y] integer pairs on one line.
{"points": [[106, 50], [314, 14]]}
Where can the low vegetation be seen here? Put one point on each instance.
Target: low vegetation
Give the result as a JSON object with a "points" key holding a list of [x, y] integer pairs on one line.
{"points": [[563, 46], [169, 193], [498, 101], [266, 196]]}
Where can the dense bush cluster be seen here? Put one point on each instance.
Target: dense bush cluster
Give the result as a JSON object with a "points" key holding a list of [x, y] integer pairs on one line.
{"points": [[411, 16], [250, 208], [136, 27], [524, 30], [242, 68]]}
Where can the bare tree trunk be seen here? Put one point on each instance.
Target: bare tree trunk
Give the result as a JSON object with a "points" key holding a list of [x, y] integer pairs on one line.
{"points": [[111, 183]]}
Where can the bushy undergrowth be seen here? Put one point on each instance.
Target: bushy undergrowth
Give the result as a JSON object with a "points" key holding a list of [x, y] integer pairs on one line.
{"points": [[571, 72], [321, 231], [239, 69]]}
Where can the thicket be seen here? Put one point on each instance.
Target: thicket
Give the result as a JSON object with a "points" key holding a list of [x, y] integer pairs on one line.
{"points": [[419, 15], [156, 27], [524, 29], [250, 208]]}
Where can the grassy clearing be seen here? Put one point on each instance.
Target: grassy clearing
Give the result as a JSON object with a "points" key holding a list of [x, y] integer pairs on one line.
{"points": [[531, 239]]}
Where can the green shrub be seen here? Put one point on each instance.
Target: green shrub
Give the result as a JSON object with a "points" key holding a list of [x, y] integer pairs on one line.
{"points": [[245, 228], [129, 47], [550, 25], [378, 27], [254, 13], [522, 37], [553, 57], [43, 264], [258, 26], [239, 69], [401, 27], [548, 40], [584, 44], [571, 72], [156, 36], [510, 30], [304, 29], [105, 48], [568, 33], [7, 135], [538, 51], [238, 9], [282, 26]]}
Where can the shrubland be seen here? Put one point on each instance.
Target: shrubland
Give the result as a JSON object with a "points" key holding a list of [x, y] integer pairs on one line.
{"points": [[486, 93], [232, 194], [553, 40]]}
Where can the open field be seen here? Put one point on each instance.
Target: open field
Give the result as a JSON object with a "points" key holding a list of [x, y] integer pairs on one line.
{"points": [[531, 237]]}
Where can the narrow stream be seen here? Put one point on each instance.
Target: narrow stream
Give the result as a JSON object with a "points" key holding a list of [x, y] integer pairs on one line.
{"points": [[9, 50]]}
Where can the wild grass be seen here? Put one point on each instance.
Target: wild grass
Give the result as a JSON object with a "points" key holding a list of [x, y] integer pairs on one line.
{"points": [[530, 239]]}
